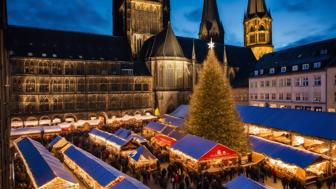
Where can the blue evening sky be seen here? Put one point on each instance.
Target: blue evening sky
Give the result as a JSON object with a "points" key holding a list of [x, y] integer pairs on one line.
{"points": [[295, 22]]}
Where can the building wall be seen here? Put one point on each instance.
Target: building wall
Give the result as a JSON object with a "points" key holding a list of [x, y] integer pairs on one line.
{"points": [[290, 91], [241, 96], [55, 87], [172, 81], [331, 89], [138, 20]]}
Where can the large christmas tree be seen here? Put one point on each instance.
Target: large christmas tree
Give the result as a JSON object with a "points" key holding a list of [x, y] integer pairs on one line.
{"points": [[212, 112]]}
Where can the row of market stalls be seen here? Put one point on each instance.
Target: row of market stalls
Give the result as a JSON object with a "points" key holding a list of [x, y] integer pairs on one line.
{"points": [[95, 172], [126, 144], [35, 131], [44, 170], [94, 121]]}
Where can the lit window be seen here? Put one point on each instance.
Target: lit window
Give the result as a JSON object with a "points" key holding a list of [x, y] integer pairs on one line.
{"points": [[295, 68], [299, 56], [317, 80], [305, 82], [317, 65], [261, 71], [288, 82], [256, 72], [305, 66], [272, 71], [283, 69], [44, 54]]}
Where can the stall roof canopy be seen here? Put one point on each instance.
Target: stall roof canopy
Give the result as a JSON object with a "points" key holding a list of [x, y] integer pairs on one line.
{"points": [[286, 154], [54, 141], [188, 143], [308, 123], [129, 183], [181, 111], [242, 182], [108, 137], [175, 121], [155, 126], [142, 151], [123, 133], [176, 135], [42, 164]]}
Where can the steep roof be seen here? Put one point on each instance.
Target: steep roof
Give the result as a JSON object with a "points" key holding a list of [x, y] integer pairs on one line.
{"points": [[165, 44], [22, 41], [211, 22], [322, 51], [257, 8]]}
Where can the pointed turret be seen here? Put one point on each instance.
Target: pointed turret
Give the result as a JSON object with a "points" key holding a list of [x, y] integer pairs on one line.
{"points": [[166, 44], [257, 8], [211, 26]]}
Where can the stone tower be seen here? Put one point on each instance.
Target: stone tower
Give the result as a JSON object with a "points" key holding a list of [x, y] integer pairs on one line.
{"points": [[258, 28], [211, 26], [138, 20], [4, 122]]}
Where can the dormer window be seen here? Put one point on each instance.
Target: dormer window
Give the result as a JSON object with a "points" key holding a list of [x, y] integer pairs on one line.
{"points": [[44, 54], [317, 65], [305, 67], [283, 69], [299, 56], [324, 52], [272, 71], [295, 68], [256, 72], [30, 54], [261, 71], [54, 55]]}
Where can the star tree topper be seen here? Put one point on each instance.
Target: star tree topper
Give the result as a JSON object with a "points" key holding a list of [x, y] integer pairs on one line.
{"points": [[211, 44]]}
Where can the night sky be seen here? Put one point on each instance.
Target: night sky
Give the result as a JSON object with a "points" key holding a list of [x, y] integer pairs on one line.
{"points": [[295, 22]]}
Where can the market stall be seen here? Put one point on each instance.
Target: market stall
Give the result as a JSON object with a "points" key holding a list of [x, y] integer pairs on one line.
{"points": [[96, 173], [201, 154], [153, 127], [289, 161], [57, 143], [111, 141], [142, 158], [129, 135], [44, 170]]}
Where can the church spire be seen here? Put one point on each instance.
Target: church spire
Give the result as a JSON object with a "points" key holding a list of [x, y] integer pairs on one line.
{"points": [[211, 26], [257, 8]]}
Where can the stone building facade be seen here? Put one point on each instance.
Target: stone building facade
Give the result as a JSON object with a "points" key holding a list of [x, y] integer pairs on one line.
{"points": [[300, 78]]}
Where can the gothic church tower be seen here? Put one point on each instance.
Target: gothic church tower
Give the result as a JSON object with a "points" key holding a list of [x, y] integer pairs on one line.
{"points": [[138, 20], [258, 28], [211, 26]]}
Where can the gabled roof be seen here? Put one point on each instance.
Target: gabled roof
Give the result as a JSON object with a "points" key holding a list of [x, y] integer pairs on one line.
{"points": [[123, 133], [242, 182], [155, 126], [175, 121], [41, 163], [165, 44], [109, 137], [43, 43], [181, 111], [188, 143], [322, 51], [287, 154], [308, 123], [141, 151]]}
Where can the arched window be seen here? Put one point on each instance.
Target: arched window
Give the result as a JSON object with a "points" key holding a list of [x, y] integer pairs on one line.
{"points": [[44, 85], [81, 85], [30, 105], [29, 67], [56, 69], [57, 104], [252, 29], [43, 68], [44, 104], [17, 85], [69, 69], [262, 28], [56, 85], [30, 85], [69, 86]]}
